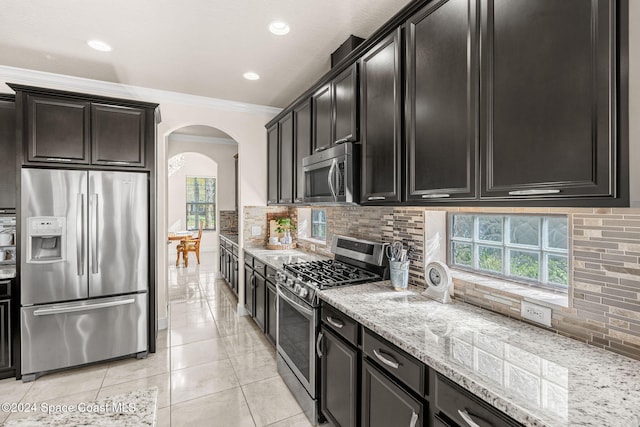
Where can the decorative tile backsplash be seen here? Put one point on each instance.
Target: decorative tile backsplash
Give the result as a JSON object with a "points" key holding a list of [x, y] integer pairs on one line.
{"points": [[228, 221], [604, 302]]}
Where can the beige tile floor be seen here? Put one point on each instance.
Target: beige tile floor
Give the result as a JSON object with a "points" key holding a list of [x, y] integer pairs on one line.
{"points": [[212, 367]]}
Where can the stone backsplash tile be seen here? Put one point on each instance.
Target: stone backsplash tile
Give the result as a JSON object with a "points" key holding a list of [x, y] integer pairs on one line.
{"points": [[604, 250], [228, 221]]}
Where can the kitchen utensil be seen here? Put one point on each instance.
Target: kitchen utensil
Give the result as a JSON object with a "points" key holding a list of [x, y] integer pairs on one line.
{"points": [[394, 251]]}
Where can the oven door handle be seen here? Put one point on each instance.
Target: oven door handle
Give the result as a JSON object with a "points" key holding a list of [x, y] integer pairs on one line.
{"points": [[297, 306], [319, 345]]}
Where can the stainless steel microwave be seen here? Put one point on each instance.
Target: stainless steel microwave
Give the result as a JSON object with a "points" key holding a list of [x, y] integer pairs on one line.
{"points": [[333, 175]]}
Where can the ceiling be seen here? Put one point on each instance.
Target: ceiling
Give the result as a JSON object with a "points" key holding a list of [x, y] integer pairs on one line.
{"points": [[198, 47]]}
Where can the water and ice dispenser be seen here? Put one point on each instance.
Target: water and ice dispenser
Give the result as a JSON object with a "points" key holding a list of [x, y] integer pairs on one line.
{"points": [[46, 239]]}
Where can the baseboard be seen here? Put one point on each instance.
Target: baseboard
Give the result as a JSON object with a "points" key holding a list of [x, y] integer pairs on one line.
{"points": [[242, 311], [163, 323]]}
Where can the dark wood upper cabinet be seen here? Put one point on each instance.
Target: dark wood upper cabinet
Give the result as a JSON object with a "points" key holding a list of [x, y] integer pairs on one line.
{"points": [[285, 155], [548, 98], [322, 117], [117, 135], [302, 142], [381, 110], [344, 91], [442, 93], [8, 149], [272, 164], [57, 130]]}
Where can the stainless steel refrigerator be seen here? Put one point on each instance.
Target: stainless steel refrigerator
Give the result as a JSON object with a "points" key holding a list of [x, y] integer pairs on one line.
{"points": [[84, 267]]}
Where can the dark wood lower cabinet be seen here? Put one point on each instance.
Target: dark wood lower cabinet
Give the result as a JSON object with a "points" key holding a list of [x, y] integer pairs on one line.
{"points": [[5, 337], [384, 403], [260, 295], [272, 311], [249, 289], [338, 380], [233, 272]]}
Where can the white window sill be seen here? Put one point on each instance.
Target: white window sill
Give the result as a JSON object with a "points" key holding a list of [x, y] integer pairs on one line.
{"points": [[544, 296], [313, 240]]}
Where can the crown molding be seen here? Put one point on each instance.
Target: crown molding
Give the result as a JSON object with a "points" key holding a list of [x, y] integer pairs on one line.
{"points": [[97, 87], [181, 137]]}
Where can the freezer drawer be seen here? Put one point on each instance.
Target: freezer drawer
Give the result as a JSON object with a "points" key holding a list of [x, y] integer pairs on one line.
{"points": [[57, 336]]}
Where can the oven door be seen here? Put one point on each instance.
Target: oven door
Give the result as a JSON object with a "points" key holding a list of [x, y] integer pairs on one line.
{"points": [[296, 337]]}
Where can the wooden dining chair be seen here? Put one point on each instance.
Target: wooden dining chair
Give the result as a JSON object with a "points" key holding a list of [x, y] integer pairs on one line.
{"points": [[191, 244]]}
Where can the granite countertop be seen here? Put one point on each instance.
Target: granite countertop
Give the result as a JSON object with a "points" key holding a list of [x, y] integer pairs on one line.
{"points": [[535, 376], [277, 258], [232, 237]]}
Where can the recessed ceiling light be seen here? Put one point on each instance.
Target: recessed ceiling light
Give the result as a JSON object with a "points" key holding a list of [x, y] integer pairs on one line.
{"points": [[251, 76], [99, 45], [279, 28]]}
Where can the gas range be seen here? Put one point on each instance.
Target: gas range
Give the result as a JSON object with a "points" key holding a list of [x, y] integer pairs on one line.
{"points": [[356, 261]]}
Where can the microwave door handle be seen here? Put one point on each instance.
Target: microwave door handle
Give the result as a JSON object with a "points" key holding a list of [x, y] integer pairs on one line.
{"points": [[330, 180]]}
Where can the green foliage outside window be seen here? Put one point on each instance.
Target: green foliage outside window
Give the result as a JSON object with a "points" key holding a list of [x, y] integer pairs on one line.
{"points": [[527, 248], [201, 203]]}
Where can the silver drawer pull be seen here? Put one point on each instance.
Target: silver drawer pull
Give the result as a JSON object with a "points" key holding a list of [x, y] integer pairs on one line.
{"points": [[58, 159], [436, 196], [414, 420], [376, 198], [85, 307], [467, 418], [319, 344], [532, 192], [335, 323], [391, 363]]}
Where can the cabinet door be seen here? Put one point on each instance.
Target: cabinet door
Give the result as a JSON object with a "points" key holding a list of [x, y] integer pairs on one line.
{"points": [[223, 261], [322, 118], [548, 98], [286, 159], [260, 298], [57, 130], [271, 317], [385, 404], [442, 92], [233, 266], [117, 135], [381, 121], [339, 380], [8, 158], [344, 91], [302, 142], [5, 335], [272, 165], [249, 289]]}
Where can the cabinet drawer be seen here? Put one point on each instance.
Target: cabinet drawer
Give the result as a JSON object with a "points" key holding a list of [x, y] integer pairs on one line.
{"points": [[248, 259], [406, 368], [458, 404], [340, 323], [271, 274], [259, 266]]}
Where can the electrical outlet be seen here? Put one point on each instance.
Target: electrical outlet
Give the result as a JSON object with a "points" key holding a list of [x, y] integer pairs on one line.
{"points": [[536, 313], [313, 247], [256, 230]]}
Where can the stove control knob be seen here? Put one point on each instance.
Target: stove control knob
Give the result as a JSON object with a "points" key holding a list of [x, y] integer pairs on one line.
{"points": [[296, 288], [280, 277], [303, 292], [290, 283]]}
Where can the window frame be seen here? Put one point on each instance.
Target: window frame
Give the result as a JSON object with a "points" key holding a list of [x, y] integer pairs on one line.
{"points": [[542, 250], [323, 223], [212, 204]]}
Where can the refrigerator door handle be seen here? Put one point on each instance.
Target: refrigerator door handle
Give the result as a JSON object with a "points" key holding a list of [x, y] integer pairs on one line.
{"points": [[84, 307], [94, 234], [80, 250]]}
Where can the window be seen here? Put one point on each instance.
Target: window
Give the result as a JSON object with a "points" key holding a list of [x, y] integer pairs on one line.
{"points": [[318, 224], [532, 249], [201, 203]]}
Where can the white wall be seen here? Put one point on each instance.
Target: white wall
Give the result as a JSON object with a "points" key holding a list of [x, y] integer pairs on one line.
{"points": [[222, 155]]}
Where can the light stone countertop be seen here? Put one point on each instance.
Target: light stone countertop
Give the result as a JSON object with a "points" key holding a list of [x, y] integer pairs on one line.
{"points": [[535, 376], [277, 258]]}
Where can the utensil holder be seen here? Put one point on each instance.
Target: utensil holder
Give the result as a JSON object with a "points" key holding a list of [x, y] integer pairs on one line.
{"points": [[399, 274]]}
